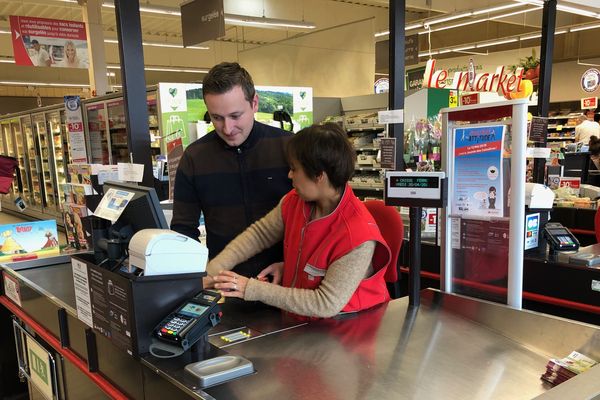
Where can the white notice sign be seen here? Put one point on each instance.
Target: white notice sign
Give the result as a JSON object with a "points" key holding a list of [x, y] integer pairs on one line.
{"points": [[129, 172], [391, 117], [11, 288], [40, 368], [82, 292]]}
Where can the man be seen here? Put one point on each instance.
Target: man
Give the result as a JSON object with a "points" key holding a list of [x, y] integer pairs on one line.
{"points": [[40, 57], [236, 176], [586, 128]]}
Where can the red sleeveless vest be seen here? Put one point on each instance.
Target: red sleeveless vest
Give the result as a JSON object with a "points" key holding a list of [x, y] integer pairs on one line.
{"points": [[311, 246]]}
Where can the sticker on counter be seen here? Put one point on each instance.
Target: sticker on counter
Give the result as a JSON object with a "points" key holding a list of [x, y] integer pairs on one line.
{"points": [[455, 229], [532, 230], [82, 292], [12, 289], [595, 285]]}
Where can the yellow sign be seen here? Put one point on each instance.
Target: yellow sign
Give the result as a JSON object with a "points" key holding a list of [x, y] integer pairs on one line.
{"points": [[453, 99]]}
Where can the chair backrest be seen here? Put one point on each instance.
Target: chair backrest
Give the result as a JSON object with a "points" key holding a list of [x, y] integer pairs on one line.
{"points": [[390, 224]]}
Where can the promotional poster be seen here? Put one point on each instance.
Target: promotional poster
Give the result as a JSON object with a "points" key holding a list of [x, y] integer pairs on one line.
{"points": [[28, 240], [478, 171]]}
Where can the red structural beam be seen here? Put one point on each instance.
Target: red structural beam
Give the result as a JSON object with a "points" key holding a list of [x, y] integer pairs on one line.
{"points": [[108, 388], [526, 295]]}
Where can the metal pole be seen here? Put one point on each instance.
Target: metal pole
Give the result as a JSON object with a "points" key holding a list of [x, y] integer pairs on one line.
{"points": [[414, 272], [396, 94], [517, 206], [129, 31], [547, 53]]}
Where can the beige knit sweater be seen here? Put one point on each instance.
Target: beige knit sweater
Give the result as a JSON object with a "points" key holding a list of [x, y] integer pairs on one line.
{"points": [[340, 281]]}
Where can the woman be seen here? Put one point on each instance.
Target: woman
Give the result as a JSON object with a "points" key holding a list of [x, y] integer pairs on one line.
{"points": [[334, 255], [71, 60]]}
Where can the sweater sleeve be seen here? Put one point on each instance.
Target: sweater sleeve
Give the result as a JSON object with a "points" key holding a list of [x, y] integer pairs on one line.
{"points": [[186, 205], [262, 234], [339, 284]]}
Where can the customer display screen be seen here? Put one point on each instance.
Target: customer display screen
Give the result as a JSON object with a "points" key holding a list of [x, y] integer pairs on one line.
{"points": [[423, 182]]}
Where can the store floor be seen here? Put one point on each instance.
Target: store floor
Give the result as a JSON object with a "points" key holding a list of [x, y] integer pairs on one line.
{"points": [[9, 218]]}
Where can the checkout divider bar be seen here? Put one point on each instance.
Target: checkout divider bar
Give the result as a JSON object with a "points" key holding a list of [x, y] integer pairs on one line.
{"points": [[526, 295], [108, 388]]}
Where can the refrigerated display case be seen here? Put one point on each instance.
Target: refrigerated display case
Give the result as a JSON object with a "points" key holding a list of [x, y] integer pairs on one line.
{"points": [[21, 146], [97, 133], [59, 150], [9, 150], [107, 131], [33, 160], [47, 183]]}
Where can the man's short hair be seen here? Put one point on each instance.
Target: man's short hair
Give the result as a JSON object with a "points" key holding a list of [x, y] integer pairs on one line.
{"points": [[225, 76], [35, 42]]}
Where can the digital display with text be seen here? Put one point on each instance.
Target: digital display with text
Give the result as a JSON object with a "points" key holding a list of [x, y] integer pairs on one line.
{"points": [[417, 182]]}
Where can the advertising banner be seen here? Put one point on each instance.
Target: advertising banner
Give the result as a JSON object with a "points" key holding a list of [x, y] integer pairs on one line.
{"points": [[43, 42], [478, 171], [75, 129]]}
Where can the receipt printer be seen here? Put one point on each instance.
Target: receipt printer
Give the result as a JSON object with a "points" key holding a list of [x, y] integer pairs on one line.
{"points": [[165, 252], [538, 197]]}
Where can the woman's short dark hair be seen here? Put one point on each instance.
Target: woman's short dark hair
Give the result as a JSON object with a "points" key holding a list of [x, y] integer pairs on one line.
{"points": [[225, 76], [324, 148], [594, 145]]}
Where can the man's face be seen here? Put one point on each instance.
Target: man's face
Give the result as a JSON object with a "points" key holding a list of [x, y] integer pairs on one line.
{"points": [[36, 46], [232, 115]]}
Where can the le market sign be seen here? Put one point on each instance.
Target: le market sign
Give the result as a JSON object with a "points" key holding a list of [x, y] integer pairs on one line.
{"points": [[501, 81]]}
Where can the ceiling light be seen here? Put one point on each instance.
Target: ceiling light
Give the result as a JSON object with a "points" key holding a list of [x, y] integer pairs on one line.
{"points": [[267, 22], [585, 27], [560, 32], [166, 69], [496, 42], [18, 83], [515, 13], [4, 31], [7, 60], [443, 28], [428, 53], [406, 28], [459, 49], [497, 8], [578, 11], [163, 44], [528, 37]]}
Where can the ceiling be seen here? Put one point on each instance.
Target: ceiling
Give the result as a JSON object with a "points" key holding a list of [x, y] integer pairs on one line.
{"points": [[325, 14]]}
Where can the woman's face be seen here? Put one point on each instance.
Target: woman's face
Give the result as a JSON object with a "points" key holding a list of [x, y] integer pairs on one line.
{"points": [[307, 188], [70, 51]]}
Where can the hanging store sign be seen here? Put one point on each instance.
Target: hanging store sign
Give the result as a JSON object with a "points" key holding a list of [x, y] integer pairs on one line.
{"points": [[469, 99], [589, 103], [411, 49], [500, 81], [590, 80], [201, 21], [43, 42]]}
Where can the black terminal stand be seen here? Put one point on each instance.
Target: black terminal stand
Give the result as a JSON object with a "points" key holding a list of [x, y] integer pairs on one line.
{"points": [[414, 272], [415, 190]]}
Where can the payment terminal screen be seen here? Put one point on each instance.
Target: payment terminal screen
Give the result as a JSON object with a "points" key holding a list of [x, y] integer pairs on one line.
{"points": [[193, 310]]}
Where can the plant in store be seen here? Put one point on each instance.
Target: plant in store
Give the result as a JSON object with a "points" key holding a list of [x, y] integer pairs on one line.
{"points": [[531, 67]]}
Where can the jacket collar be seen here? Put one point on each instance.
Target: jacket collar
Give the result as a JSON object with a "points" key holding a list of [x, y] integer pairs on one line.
{"points": [[253, 138]]}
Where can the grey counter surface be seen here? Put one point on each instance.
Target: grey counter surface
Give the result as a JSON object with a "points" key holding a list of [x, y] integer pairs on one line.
{"points": [[451, 347]]}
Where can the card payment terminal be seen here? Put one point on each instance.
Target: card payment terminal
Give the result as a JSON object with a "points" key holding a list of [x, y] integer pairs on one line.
{"points": [[192, 319], [560, 238]]}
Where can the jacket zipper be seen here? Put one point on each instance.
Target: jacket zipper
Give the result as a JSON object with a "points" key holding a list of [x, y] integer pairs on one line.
{"points": [[241, 164]]}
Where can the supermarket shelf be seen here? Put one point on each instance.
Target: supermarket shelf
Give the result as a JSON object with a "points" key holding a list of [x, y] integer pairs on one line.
{"points": [[364, 187], [373, 129], [560, 138], [360, 168], [366, 148]]}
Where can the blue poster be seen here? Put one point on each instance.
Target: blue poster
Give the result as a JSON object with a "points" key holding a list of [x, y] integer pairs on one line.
{"points": [[478, 171]]}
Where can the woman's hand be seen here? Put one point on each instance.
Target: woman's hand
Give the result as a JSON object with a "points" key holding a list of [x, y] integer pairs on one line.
{"points": [[230, 284], [275, 269], [208, 282]]}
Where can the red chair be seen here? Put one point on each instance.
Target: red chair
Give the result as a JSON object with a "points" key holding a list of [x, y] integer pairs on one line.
{"points": [[392, 229], [597, 224]]}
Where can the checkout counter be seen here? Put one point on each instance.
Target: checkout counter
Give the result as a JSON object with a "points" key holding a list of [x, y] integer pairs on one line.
{"points": [[450, 347]]}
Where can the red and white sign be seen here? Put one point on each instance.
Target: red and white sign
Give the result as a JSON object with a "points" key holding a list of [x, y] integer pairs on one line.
{"points": [[75, 129], [571, 183], [500, 81], [12, 289], [46, 42], [468, 99], [589, 103]]}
